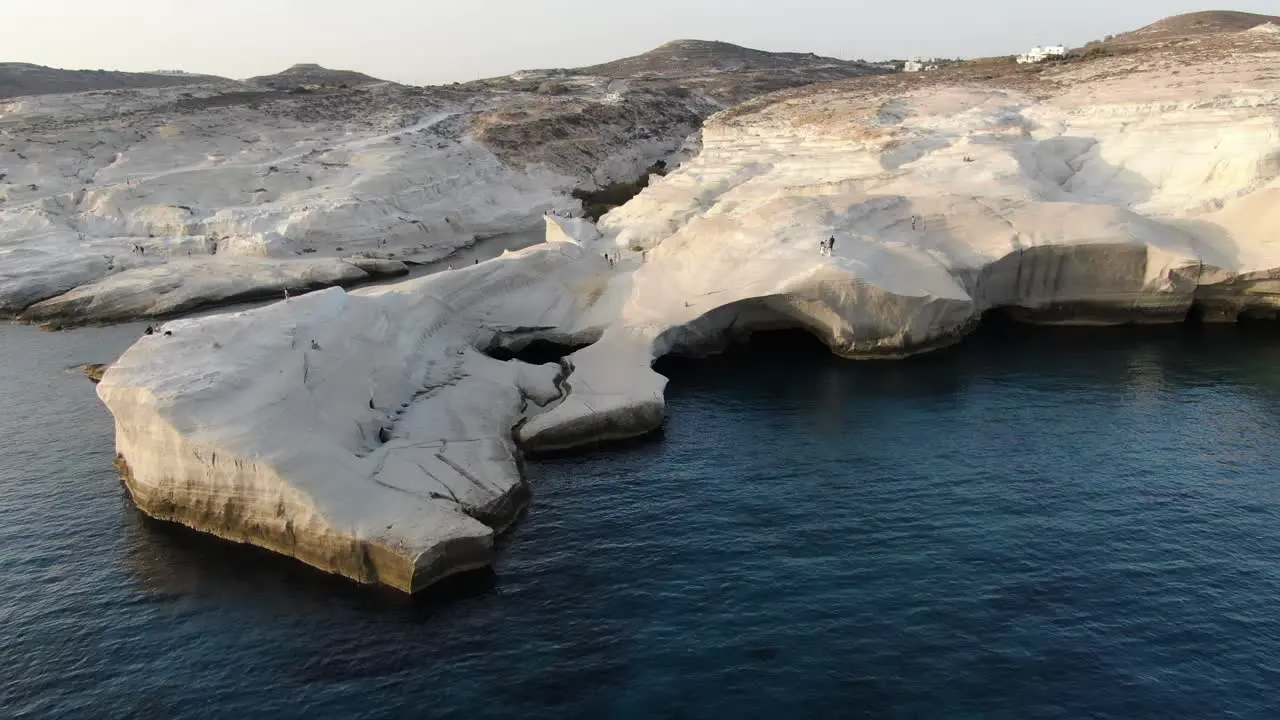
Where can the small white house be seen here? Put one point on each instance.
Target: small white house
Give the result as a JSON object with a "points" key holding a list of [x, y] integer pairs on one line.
{"points": [[1040, 54], [916, 64]]}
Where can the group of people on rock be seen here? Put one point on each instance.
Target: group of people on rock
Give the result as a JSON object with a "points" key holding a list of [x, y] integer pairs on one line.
{"points": [[612, 259], [138, 249]]}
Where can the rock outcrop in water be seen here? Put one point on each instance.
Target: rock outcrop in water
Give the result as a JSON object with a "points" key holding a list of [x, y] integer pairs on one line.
{"points": [[93, 371], [365, 433], [373, 434]]}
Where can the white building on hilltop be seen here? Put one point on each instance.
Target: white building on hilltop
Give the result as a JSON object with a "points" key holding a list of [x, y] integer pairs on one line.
{"points": [[915, 64], [1040, 54]]}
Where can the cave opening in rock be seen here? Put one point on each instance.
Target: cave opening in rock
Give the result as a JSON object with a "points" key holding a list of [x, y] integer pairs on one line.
{"points": [[777, 345], [773, 345], [539, 351]]}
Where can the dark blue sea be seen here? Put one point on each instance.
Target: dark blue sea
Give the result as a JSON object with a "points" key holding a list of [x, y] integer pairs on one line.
{"points": [[1035, 524]]}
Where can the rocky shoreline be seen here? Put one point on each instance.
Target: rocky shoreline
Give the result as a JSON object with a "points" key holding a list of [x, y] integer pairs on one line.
{"points": [[375, 433]]}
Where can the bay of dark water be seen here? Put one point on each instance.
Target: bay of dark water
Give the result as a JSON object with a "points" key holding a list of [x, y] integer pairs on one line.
{"points": [[1036, 524]]}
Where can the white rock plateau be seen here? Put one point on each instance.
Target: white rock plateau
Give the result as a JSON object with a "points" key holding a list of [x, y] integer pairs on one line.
{"points": [[112, 197], [107, 206], [1138, 189], [363, 432]]}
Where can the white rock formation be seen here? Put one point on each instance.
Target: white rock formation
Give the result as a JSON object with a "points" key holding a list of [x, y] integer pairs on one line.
{"points": [[183, 285], [385, 451], [100, 198], [944, 203], [328, 164], [364, 433]]}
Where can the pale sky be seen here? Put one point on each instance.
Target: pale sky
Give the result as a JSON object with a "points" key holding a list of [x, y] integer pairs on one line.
{"points": [[437, 41]]}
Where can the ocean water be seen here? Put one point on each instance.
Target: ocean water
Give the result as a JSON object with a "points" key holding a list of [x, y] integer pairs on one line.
{"points": [[1036, 524]]}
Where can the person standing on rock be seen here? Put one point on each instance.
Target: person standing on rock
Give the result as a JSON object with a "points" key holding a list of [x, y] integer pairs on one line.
{"points": [[831, 245]]}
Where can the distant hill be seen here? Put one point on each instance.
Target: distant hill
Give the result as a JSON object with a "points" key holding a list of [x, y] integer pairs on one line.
{"points": [[1198, 23], [695, 57], [719, 72], [312, 74], [17, 79]]}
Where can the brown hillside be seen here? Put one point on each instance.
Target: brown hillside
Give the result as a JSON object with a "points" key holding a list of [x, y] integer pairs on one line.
{"points": [[311, 74], [17, 79], [1210, 22]]}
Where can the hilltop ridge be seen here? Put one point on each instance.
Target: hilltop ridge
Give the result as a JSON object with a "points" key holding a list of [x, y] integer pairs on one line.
{"points": [[18, 79], [1208, 22], [686, 57], [721, 72], [313, 74]]}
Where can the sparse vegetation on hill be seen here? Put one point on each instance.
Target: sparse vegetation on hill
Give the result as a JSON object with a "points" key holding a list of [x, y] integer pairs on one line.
{"points": [[722, 72], [688, 57], [18, 79], [1193, 24], [305, 75]]}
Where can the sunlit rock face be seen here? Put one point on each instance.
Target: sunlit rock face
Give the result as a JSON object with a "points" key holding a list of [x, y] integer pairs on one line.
{"points": [[1135, 188], [213, 190]]}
